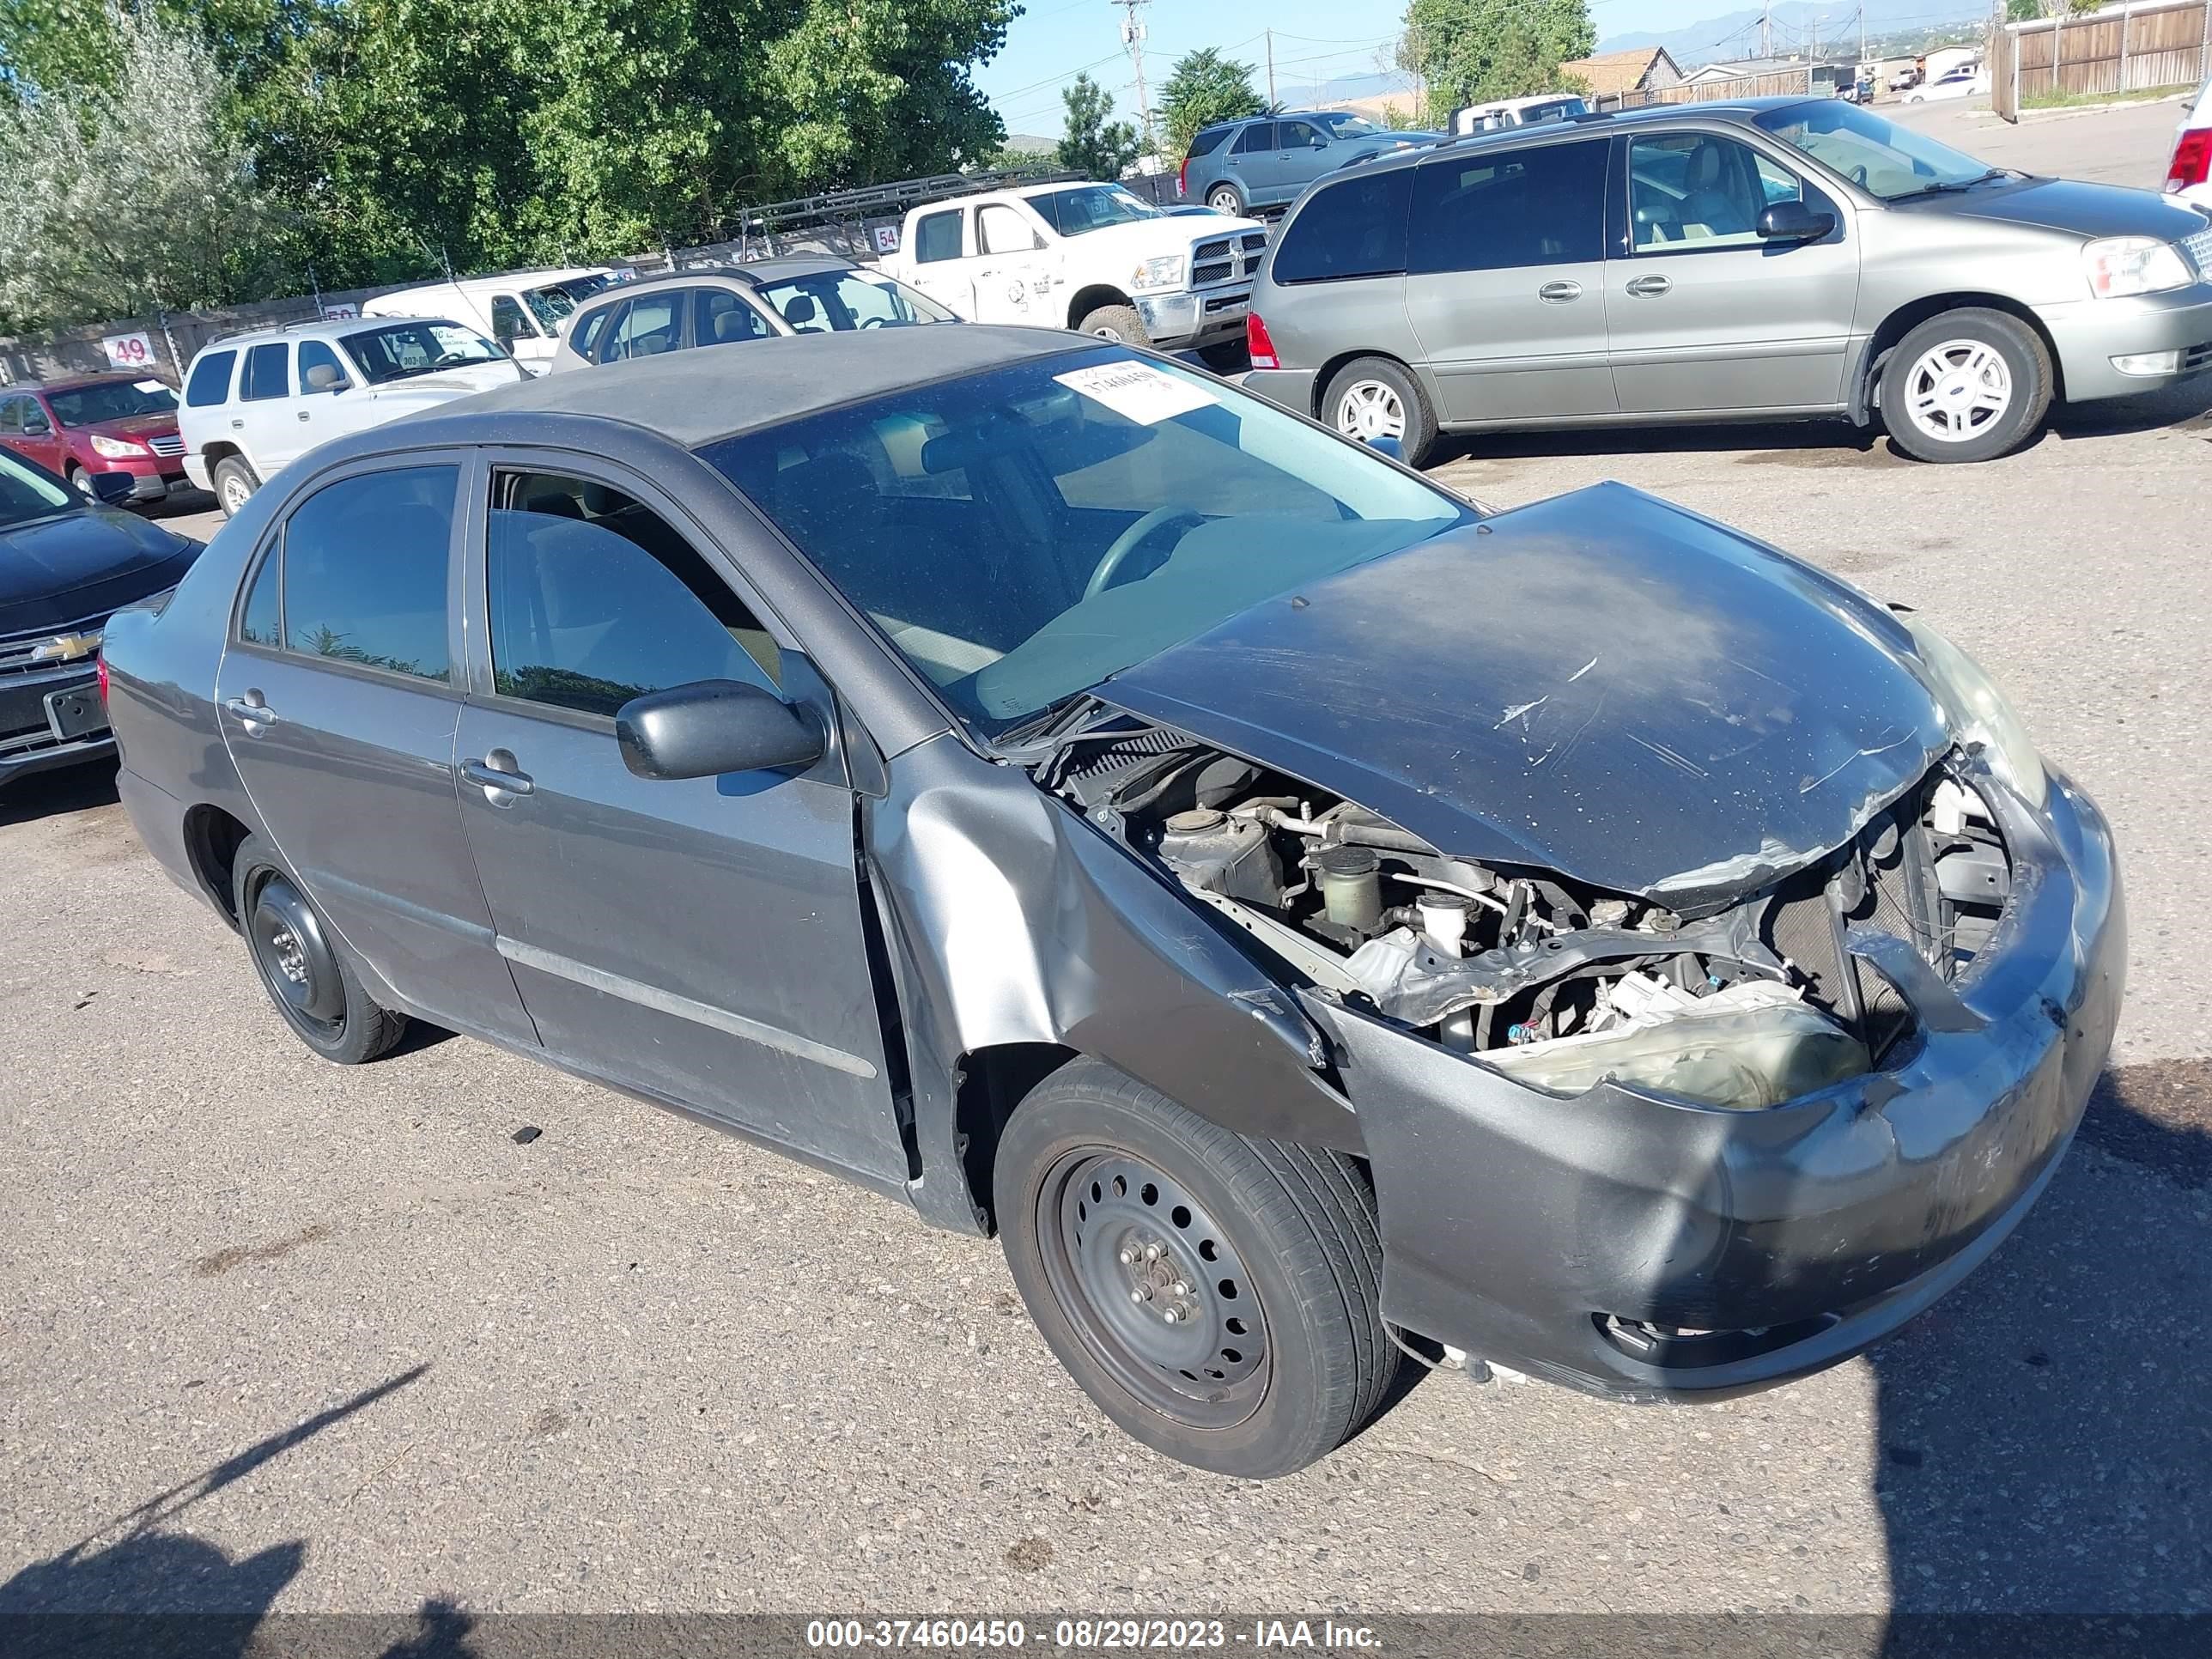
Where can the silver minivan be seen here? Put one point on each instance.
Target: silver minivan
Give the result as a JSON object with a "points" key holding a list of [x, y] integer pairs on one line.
{"points": [[1776, 260]]}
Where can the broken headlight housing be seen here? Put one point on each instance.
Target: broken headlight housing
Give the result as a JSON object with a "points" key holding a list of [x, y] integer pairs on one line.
{"points": [[1979, 712]]}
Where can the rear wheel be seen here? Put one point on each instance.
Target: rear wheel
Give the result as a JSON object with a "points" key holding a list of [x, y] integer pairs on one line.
{"points": [[1372, 397], [1116, 323], [1215, 1295], [233, 482], [302, 965], [1968, 385], [1223, 198]]}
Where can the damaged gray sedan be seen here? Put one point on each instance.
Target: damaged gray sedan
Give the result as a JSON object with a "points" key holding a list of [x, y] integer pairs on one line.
{"points": [[1307, 919]]}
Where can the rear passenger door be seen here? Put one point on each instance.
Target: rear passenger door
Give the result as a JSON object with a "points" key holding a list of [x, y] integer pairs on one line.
{"points": [[264, 423], [338, 697], [1505, 282], [1251, 163], [699, 939]]}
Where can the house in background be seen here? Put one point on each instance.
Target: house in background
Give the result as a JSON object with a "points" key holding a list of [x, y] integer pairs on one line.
{"points": [[1614, 76]]}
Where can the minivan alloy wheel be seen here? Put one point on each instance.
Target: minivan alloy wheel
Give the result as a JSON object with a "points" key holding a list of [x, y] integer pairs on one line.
{"points": [[1369, 409], [1958, 389]]}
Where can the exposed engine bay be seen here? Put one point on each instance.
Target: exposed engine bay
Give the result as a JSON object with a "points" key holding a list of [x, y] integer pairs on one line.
{"points": [[1805, 983]]}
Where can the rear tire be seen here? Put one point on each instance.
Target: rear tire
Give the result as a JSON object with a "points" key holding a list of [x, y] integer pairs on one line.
{"points": [[1226, 198], [1116, 323], [233, 482], [1968, 385], [303, 965], [1373, 396], [1118, 1207]]}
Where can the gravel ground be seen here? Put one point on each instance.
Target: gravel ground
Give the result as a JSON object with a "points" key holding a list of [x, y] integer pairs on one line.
{"points": [[281, 1334]]}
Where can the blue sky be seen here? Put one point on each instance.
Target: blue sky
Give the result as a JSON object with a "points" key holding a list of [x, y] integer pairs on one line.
{"points": [[1315, 40]]}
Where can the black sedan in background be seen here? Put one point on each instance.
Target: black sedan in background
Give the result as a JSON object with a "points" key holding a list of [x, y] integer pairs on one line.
{"points": [[65, 563]]}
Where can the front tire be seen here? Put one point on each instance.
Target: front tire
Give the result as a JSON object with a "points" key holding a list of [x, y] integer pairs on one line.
{"points": [[302, 964], [1968, 385], [234, 480], [1216, 1295], [81, 481], [1116, 323], [1374, 397]]}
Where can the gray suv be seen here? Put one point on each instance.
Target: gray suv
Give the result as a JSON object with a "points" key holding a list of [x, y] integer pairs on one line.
{"points": [[1265, 160], [1778, 259]]}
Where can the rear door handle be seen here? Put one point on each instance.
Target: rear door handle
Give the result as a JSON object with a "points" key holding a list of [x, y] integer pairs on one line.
{"points": [[497, 780], [1649, 288], [303, 414], [238, 426], [251, 709], [1559, 293]]}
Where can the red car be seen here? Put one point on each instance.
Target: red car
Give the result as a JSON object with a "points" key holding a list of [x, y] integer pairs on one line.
{"points": [[97, 424]]}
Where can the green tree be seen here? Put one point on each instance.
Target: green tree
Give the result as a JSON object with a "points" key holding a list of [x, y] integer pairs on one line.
{"points": [[1094, 144], [1473, 51], [124, 195], [1204, 87]]}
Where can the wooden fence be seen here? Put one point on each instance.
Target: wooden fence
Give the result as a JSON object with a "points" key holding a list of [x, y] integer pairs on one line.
{"points": [[1789, 83], [2112, 52]]}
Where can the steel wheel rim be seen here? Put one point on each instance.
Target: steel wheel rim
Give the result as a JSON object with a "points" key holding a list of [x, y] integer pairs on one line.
{"points": [[1957, 391], [1370, 409], [1120, 1263], [293, 960]]}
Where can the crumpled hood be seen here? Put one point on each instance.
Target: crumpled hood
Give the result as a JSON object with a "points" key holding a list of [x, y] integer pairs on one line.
{"points": [[1600, 685], [83, 564], [2072, 205]]}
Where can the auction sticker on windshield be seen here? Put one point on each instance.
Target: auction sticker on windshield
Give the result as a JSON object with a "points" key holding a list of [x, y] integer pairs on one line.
{"points": [[1136, 392]]}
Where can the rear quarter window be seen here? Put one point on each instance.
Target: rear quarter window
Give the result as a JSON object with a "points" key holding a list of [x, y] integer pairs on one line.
{"points": [[1207, 140], [1355, 228], [210, 381]]}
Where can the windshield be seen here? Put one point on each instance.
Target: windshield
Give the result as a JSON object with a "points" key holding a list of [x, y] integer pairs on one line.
{"points": [[556, 302], [401, 349], [1348, 126], [1089, 207], [26, 493], [1023, 533], [112, 400], [846, 300], [1880, 157]]}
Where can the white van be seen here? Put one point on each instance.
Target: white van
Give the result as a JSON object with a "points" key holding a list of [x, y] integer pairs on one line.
{"points": [[523, 310], [1470, 119]]}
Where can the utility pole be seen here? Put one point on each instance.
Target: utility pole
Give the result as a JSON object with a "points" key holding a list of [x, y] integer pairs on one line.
{"points": [[1270, 69], [1132, 37], [1766, 30], [1862, 34]]}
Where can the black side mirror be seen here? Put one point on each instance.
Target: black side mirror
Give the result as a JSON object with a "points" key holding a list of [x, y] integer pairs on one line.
{"points": [[1793, 222], [709, 727], [111, 489]]}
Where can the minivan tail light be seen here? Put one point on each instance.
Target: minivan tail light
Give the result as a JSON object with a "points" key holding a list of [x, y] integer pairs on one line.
{"points": [[1257, 345], [1183, 178], [2192, 160]]}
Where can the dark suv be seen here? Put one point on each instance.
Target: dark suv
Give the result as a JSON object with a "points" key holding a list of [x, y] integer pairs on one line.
{"points": [[1265, 160]]}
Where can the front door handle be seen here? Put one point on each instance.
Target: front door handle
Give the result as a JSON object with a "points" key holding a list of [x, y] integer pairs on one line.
{"points": [[496, 779], [1559, 293], [252, 710], [1649, 288]]}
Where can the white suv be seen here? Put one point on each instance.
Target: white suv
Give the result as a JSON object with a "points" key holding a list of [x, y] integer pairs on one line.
{"points": [[254, 402]]}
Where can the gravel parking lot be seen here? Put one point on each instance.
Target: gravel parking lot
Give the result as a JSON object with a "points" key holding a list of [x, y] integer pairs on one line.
{"points": [[278, 1333]]}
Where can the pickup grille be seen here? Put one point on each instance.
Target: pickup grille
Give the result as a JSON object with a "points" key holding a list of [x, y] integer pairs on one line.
{"points": [[1226, 259], [170, 447]]}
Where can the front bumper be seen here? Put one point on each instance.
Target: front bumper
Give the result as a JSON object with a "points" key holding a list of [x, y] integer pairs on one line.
{"points": [[1526, 1229], [28, 742], [196, 471], [1196, 318], [2090, 333]]}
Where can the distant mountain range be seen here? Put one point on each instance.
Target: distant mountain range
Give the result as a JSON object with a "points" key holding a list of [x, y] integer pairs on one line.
{"points": [[1796, 25]]}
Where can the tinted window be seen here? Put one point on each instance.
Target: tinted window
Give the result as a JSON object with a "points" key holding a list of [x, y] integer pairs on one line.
{"points": [[1260, 135], [211, 382], [594, 599], [720, 316], [937, 236], [1208, 140], [1355, 228], [314, 354], [266, 372], [365, 562], [1299, 135], [508, 324], [262, 621], [1499, 209], [647, 327], [586, 333], [1688, 191]]}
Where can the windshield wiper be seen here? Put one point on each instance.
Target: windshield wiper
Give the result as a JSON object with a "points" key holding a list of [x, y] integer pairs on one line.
{"points": [[1948, 185]]}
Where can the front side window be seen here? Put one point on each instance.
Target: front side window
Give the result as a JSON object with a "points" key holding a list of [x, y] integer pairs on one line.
{"points": [[111, 400], [1503, 209], [36, 424], [210, 381], [1698, 190], [1095, 508], [720, 317], [999, 229], [399, 351], [1878, 156], [320, 368], [266, 367], [937, 236], [594, 599], [845, 299], [1353, 228], [508, 324], [649, 326], [365, 564], [1300, 135]]}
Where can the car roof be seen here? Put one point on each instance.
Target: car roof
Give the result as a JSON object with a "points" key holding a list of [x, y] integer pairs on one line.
{"points": [[71, 382], [500, 279], [751, 274], [692, 397], [327, 328], [1739, 112]]}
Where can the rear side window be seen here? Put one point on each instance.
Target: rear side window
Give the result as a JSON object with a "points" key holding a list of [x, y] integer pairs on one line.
{"points": [[1355, 228], [365, 563], [1207, 140], [937, 236], [1259, 136], [11, 414], [586, 334], [1501, 209], [210, 381], [266, 372], [262, 622]]}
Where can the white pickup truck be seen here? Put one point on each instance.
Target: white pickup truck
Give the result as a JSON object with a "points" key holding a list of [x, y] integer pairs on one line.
{"points": [[1083, 256]]}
